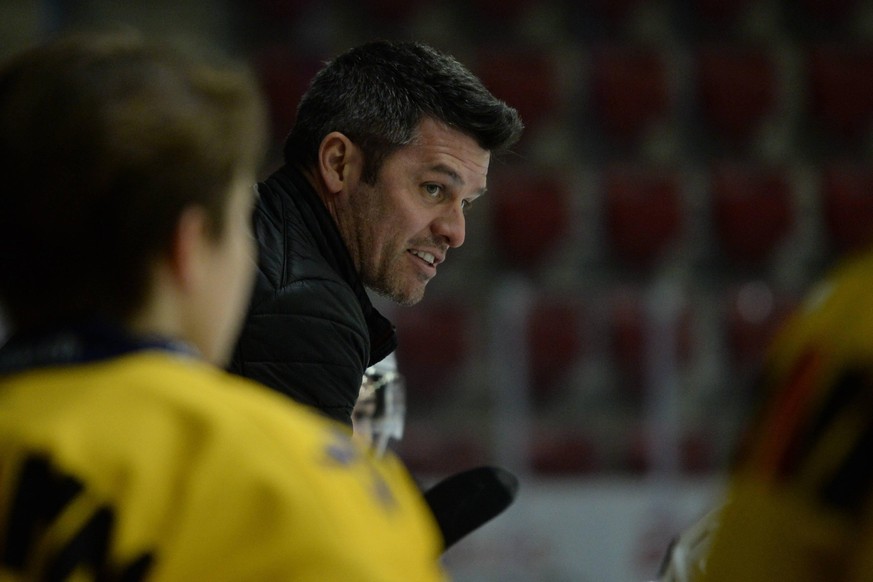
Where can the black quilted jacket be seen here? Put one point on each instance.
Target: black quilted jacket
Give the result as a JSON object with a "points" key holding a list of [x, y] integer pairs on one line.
{"points": [[311, 330]]}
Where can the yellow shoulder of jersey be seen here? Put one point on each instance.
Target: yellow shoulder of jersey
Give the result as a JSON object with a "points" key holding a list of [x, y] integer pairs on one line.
{"points": [[777, 523], [211, 476], [837, 316]]}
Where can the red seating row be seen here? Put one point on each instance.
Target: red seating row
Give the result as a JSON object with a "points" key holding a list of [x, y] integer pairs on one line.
{"points": [[753, 210], [847, 195], [722, 14], [285, 75], [736, 87], [841, 102], [436, 339]]}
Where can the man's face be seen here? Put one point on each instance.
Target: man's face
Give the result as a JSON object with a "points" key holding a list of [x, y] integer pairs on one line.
{"points": [[399, 229]]}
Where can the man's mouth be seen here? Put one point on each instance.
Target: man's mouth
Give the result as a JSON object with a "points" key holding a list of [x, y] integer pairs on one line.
{"points": [[425, 256]]}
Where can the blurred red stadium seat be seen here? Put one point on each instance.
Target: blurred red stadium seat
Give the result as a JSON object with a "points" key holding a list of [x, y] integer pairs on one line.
{"points": [[530, 216], [629, 90], [393, 12], [736, 90], [630, 322], [627, 330], [826, 11], [643, 213], [555, 336], [525, 77], [753, 211], [605, 19], [840, 89], [285, 75], [434, 340], [283, 11], [557, 452], [847, 201], [614, 11], [720, 14], [503, 12]]}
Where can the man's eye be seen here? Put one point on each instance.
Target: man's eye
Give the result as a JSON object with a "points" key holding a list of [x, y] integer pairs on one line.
{"points": [[466, 204], [433, 190]]}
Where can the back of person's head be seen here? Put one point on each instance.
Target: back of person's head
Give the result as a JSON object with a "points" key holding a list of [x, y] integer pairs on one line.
{"points": [[376, 94], [104, 140]]}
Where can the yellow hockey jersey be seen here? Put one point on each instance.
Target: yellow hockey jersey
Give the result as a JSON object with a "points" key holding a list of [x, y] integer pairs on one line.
{"points": [[157, 466], [799, 505]]}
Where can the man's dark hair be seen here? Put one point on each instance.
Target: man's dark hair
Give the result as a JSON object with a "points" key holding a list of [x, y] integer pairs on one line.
{"points": [[377, 94]]}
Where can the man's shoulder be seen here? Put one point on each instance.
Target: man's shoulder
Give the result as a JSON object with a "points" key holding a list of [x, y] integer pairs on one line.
{"points": [[287, 247], [277, 209], [284, 194]]}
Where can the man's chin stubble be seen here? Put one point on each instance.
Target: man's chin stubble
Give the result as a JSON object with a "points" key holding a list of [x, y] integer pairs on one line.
{"points": [[395, 296]]}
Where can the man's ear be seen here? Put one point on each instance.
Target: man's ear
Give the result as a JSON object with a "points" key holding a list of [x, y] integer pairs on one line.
{"points": [[339, 162], [190, 242]]}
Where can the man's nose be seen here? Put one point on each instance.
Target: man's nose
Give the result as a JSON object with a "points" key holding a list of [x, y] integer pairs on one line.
{"points": [[451, 226]]}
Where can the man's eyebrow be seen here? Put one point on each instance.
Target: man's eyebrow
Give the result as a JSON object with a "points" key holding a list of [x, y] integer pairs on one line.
{"points": [[453, 176]]}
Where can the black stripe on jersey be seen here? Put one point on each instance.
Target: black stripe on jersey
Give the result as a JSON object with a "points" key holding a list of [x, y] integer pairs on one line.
{"points": [[42, 494], [845, 394], [90, 546], [848, 487]]}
